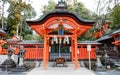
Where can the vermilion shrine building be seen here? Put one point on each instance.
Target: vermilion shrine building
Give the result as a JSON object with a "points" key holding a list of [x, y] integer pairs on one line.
{"points": [[58, 25]]}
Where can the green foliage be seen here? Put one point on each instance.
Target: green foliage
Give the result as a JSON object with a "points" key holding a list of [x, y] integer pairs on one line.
{"points": [[15, 17], [77, 7], [38, 38], [82, 10], [28, 37], [87, 36], [115, 17], [50, 7], [5, 45]]}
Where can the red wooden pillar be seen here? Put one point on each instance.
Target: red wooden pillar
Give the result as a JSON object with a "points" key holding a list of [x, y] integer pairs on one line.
{"points": [[37, 52], [47, 50], [76, 50], [72, 50], [44, 52]]}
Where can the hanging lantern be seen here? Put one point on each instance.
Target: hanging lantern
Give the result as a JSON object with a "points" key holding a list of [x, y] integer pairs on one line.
{"points": [[60, 30], [66, 40], [55, 39]]}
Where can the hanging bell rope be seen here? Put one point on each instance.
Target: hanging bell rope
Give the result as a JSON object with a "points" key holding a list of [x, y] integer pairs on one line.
{"points": [[52, 41], [60, 40]]}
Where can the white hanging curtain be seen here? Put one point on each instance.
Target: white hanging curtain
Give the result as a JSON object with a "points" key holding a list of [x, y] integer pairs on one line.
{"points": [[66, 40], [55, 39]]}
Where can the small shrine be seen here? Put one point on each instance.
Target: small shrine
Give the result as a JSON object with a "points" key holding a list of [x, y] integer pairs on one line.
{"points": [[60, 29]]}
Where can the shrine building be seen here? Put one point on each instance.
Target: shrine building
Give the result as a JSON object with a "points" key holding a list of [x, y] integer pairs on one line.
{"points": [[60, 29]]}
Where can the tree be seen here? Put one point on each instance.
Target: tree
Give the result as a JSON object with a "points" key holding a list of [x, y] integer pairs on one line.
{"points": [[18, 11], [50, 7], [82, 10], [115, 17], [76, 7]]}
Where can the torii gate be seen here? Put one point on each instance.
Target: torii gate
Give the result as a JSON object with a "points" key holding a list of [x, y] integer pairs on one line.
{"points": [[60, 17]]}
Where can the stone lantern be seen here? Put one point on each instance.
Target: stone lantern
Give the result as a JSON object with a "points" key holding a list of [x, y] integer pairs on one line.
{"points": [[21, 67], [8, 64], [21, 56]]}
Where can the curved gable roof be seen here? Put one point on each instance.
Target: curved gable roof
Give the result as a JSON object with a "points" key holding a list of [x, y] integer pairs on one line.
{"points": [[61, 13], [61, 10]]}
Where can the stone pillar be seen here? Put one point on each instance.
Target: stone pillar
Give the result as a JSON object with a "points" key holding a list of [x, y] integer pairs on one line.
{"points": [[99, 66], [21, 62], [98, 63]]}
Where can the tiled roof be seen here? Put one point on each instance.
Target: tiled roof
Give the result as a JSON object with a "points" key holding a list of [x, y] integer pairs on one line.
{"points": [[61, 8], [108, 36], [13, 40], [30, 42], [104, 38], [2, 32], [117, 31], [88, 42]]}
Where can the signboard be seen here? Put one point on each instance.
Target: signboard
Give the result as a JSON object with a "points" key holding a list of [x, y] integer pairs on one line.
{"points": [[88, 47]]}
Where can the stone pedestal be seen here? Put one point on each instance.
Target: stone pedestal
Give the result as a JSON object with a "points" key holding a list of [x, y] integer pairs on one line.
{"points": [[8, 64], [37, 64], [99, 66], [21, 62], [82, 64], [21, 67]]}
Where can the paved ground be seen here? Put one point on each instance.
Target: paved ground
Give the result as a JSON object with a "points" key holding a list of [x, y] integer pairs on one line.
{"points": [[65, 71], [109, 72]]}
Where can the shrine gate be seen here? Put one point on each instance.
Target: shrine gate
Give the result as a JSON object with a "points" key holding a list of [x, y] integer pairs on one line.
{"points": [[60, 30]]}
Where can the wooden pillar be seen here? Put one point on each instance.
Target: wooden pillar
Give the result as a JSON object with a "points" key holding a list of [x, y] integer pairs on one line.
{"points": [[72, 50], [44, 52], [1, 51], [76, 50], [47, 50], [37, 56]]}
